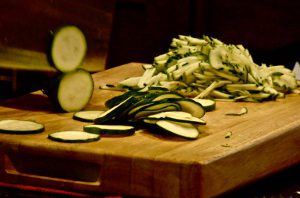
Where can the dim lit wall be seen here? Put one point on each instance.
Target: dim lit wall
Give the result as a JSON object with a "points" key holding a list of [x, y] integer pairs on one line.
{"points": [[270, 29]]}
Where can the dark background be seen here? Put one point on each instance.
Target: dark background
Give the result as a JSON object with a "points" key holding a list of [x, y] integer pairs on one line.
{"points": [[270, 29]]}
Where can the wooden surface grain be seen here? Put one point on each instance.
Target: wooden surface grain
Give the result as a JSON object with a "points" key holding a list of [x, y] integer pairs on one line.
{"points": [[263, 141]]}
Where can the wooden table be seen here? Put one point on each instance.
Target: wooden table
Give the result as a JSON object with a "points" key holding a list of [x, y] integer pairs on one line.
{"points": [[263, 142]]}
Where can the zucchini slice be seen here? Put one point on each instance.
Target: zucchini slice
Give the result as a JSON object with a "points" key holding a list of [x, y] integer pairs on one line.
{"points": [[156, 107], [192, 107], [109, 129], [112, 113], [207, 104], [87, 116], [178, 116], [186, 130], [166, 95], [72, 91], [68, 48], [73, 136], [20, 127], [120, 98]]}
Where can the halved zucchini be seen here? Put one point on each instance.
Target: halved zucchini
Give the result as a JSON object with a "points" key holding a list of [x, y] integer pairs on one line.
{"points": [[68, 48], [74, 136], [12, 126], [109, 129]]}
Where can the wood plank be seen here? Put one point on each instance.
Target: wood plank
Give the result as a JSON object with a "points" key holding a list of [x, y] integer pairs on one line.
{"points": [[263, 141]]}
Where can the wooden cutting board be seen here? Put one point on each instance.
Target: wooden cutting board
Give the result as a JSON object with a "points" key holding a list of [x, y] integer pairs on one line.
{"points": [[262, 142]]}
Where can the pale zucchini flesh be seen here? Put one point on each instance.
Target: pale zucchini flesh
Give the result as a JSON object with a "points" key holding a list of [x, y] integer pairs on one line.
{"points": [[12, 126], [178, 116], [87, 116], [73, 136], [186, 130], [75, 90], [68, 48]]}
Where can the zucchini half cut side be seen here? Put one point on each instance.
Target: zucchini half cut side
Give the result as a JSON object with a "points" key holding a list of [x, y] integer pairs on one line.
{"points": [[186, 130], [68, 48], [20, 127], [111, 130], [73, 136], [72, 91]]}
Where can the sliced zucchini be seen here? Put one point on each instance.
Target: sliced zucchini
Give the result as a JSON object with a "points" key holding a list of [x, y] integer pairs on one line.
{"points": [[109, 129], [71, 91], [87, 116], [207, 104], [113, 112], [74, 136], [178, 116], [217, 56], [167, 95], [12, 126], [68, 48], [156, 107], [120, 98], [192, 107], [186, 130]]}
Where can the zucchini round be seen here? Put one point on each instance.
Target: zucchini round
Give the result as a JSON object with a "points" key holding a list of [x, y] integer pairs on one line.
{"points": [[178, 116], [87, 116], [71, 91], [190, 106], [68, 48], [20, 127], [186, 130], [73, 136]]}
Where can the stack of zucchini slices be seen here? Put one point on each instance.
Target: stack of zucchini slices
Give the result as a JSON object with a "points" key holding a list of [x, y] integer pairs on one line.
{"points": [[153, 108]]}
